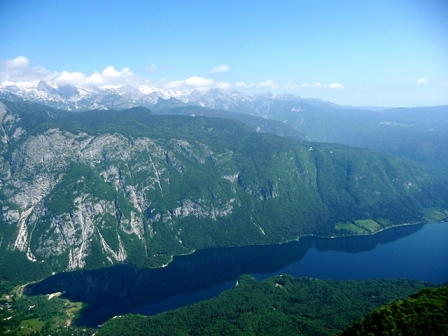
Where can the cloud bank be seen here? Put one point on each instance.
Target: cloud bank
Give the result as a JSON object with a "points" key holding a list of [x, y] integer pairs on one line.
{"points": [[198, 83], [267, 84], [333, 86], [108, 76], [20, 69]]}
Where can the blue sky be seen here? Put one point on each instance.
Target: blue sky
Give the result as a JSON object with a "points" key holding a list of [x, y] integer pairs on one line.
{"points": [[383, 53]]}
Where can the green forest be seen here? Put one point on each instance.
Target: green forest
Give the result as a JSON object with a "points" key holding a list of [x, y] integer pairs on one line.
{"points": [[423, 313], [281, 305]]}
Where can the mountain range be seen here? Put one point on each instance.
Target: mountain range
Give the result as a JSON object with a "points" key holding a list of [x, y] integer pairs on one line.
{"points": [[419, 134], [107, 97], [95, 188]]}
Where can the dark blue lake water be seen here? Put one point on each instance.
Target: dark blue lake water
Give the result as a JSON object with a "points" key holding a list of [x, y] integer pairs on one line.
{"points": [[418, 252], [422, 255]]}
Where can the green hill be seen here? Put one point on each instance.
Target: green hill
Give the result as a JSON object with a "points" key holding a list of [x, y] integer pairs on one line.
{"points": [[424, 313]]}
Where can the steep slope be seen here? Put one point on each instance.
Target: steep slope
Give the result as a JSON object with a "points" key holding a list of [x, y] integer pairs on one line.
{"points": [[418, 134], [91, 189], [424, 313]]}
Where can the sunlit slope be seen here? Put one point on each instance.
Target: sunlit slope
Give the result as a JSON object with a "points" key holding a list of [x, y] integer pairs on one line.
{"points": [[423, 313], [419, 134], [92, 189]]}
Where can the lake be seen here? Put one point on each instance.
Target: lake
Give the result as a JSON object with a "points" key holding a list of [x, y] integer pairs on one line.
{"points": [[418, 252]]}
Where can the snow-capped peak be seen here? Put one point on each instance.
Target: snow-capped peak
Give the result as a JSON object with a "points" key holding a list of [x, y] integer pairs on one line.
{"points": [[72, 97]]}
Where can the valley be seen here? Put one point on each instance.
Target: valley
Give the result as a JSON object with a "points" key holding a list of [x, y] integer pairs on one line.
{"points": [[223, 168], [100, 195]]}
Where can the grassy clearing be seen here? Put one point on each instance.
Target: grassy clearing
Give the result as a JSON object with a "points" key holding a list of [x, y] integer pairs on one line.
{"points": [[368, 224], [433, 215], [29, 326], [350, 227]]}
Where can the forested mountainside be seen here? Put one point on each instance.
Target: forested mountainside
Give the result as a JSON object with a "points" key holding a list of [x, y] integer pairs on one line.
{"points": [[423, 313], [282, 305], [259, 124], [96, 188], [419, 134]]}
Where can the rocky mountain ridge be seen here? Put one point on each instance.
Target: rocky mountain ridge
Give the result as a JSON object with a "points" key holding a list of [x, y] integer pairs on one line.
{"points": [[96, 188], [70, 97]]}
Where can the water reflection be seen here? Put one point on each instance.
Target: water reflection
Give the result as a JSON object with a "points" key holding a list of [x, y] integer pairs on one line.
{"points": [[120, 289]]}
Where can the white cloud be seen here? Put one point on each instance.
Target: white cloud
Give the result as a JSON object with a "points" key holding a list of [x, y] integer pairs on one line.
{"points": [[175, 84], [422, 81], [268, 83], [223, 85], [19, 62], [108, 76], [19, 68], [322, 86], [111, 72], [219, 68], [72, 78], [289, 86], [244, 85], [196, 81], [336, 86]]}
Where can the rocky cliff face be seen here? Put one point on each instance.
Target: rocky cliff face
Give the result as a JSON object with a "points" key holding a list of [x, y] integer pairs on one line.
{"points": [[136, 169], [132, 190]]}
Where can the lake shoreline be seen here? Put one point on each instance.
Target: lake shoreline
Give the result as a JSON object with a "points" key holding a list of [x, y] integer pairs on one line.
{"points": [[173, 257], [445, 220]]}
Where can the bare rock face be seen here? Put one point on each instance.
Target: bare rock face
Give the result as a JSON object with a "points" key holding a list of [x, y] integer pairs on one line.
{"points": [[138, 170]]}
